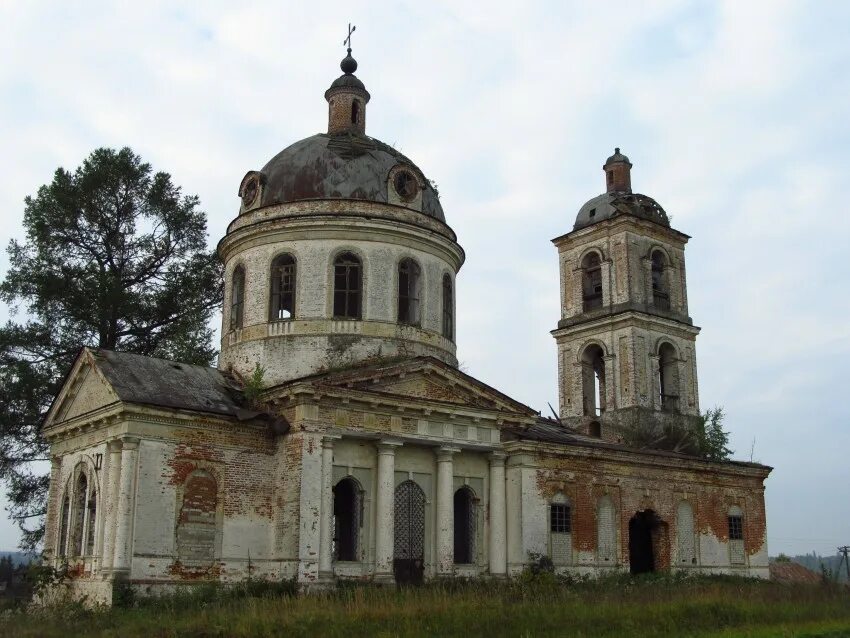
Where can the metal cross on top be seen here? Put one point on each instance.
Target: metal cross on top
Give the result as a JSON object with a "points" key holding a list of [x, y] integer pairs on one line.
{"points": [[351, 30]]}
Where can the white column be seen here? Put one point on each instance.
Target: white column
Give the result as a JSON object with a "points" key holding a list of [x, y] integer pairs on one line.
{"points": [[126, 498], [654, 383], [110, 503], [326, 520], [445, 510], [610, 372], [385, 510], [498, 520]]}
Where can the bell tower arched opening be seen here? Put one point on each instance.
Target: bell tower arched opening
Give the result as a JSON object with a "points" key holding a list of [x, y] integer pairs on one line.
{"points": [[593, 380]]}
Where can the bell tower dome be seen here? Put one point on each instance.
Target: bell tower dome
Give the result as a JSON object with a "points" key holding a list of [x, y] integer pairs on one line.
{"points": [[340, 254], [626, 345]]}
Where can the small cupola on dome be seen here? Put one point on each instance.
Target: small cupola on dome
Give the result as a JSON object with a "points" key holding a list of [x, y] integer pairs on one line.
{"points": [[618, 173], [347, 98]]}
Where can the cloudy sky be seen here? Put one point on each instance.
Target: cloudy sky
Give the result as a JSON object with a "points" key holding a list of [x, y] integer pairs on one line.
{"points": [[734, 114]]}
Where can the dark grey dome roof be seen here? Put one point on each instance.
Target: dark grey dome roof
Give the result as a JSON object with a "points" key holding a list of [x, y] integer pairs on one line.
{"points": [[342, 166], [617, 157], [347, 81], [609, 205]]}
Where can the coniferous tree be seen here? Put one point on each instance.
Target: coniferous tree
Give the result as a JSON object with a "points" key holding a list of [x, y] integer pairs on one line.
{"points": [[115, 257]]}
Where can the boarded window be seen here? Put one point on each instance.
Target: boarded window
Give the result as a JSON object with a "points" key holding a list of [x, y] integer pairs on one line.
{"points": [[237, 298], [448, 308], [408, 292], [606, 531], [347, 286], [196, 523], [282, 288], [685, 534]]}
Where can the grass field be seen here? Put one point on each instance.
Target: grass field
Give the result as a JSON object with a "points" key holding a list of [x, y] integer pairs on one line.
{"points": [[539, 606]]}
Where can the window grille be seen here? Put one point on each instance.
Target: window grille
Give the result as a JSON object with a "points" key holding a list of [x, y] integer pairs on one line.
{"points": [[736, 528], [237, 298], [347, 287], [559, 519], [283, 288], [448, 308]]}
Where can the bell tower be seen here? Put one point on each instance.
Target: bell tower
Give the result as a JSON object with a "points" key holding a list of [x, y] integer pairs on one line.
{"points": [[626, 344]]}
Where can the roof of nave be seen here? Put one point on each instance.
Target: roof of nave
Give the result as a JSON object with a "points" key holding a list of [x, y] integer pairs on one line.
{"points": [[139, 379], [547, 430]]}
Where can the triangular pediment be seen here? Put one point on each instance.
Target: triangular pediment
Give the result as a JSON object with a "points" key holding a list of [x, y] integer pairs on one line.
{"points": [[85, 390], [428, 379]]}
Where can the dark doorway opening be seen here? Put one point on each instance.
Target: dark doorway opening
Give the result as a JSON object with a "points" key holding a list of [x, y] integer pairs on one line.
{"points": [[346, 523], [464, 526], [642, 557], [409, 528]]}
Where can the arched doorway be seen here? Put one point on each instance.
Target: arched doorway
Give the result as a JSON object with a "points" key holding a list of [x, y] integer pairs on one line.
{"points": [[464, 532], [409, 528], [642, 531], [346, 521]]}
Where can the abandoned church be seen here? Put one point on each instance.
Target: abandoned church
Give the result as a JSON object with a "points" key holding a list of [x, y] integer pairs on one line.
{"points": [[364, 452]]}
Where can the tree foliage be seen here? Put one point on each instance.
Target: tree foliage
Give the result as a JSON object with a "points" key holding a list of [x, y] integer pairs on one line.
{"points": [[703, 437], [115, 257]]}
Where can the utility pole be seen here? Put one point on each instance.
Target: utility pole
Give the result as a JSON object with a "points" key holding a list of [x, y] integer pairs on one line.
{"points": [[844, 550]]}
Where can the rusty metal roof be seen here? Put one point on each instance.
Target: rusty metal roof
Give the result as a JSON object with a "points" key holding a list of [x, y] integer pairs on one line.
{"points": [[609, 205], [169, 384], [344, 166]]}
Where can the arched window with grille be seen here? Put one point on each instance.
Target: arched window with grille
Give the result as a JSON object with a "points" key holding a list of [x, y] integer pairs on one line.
{"points": [[737, 554], [64, 525], [409, 287], [591, 281], [348, 286], [91, 517], [282, 293], [448, 307], [79, 514], [237, 298], [660, 284], [560, 531]]}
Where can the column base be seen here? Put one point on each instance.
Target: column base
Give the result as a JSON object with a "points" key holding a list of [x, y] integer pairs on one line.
{"points": [[387, 579]]}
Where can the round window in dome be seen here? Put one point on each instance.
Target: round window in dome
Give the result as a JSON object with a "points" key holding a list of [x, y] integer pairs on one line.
{"points": [[249, 192], [405, 185]]}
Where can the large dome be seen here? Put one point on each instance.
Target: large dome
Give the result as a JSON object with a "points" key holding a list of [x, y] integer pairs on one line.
{"points": [[339, 166], [613, 204]]}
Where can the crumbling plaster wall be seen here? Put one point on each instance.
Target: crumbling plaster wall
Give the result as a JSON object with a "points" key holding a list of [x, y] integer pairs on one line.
{"points": [[634, 487], [313, 340]]}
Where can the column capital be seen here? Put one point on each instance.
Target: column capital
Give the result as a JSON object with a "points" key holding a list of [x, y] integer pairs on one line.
{"points": [[388, 446], [497, 458], [130, 442], [55, 462], [445, 453], [113, 446], [329, 439]]}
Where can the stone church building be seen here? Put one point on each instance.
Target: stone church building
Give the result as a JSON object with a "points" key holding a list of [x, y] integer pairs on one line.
{"points": [[365, 453]]}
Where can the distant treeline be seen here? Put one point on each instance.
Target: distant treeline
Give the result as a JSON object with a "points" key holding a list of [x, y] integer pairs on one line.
{"points": [[18, 558], [820, 564]]}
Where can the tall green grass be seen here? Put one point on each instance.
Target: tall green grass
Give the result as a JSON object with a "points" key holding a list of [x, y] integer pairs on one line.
{"points": [[529, 606]]}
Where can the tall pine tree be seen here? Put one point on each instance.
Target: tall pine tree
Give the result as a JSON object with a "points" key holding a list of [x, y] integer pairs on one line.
{"points": [[115, 257]]}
